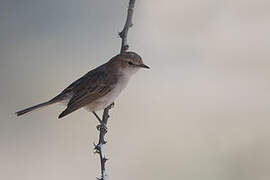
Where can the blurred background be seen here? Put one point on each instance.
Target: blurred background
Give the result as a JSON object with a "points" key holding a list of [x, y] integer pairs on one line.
{"points": [[201, 112]]}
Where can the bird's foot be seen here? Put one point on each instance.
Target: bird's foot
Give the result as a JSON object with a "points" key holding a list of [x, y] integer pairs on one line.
{"points": [[111, 105]]}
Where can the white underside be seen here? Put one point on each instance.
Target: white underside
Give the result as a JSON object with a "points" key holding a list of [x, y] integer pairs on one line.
{"points": [[108, 99]]}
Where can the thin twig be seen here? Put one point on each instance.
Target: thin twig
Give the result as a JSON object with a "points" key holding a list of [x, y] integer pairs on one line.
{"points": [[123, 34], [102, 127]]}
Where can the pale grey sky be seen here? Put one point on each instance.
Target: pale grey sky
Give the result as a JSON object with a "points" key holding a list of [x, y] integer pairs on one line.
{"points": [[202, 112]]}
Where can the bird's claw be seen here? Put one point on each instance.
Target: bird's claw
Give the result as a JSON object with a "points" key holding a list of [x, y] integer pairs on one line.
{"points": [[111, 105]]}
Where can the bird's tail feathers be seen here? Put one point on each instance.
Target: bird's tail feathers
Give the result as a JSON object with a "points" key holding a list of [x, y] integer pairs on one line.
{"points": [[30, 109]]}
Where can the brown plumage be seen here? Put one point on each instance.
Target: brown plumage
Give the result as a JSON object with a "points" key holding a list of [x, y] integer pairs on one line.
{"points": [[98, 88]]}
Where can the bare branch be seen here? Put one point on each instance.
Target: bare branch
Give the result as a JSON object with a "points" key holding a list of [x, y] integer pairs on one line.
{"points": [[123, 34], [102, 127]]}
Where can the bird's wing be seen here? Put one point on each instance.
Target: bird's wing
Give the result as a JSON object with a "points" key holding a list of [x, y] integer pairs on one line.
{"points": [[91, 87], [91, 77]]}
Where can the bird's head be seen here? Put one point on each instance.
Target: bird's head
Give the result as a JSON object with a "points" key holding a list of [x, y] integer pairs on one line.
{"points": [[129, 62]]}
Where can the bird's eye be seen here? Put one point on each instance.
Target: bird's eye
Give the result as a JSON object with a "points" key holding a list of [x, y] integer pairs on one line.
{"points": [[130, 63]]}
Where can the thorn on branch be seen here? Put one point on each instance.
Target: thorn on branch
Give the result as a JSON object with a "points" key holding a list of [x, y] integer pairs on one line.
{"points": [[121, 34], [102, 127], [96, 146], [105, 160]]}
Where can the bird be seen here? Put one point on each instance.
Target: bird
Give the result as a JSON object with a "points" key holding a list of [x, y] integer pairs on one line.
{"points": [[98, 88]]}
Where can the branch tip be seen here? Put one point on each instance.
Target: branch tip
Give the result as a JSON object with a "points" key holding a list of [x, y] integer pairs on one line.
{"points": [[128, 24]]}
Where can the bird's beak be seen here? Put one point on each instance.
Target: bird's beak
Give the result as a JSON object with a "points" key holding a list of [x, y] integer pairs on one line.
{"points": [[144, 66]]}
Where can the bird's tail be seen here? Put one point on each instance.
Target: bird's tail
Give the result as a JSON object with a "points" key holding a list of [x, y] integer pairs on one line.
{"points": [[27, 110]]}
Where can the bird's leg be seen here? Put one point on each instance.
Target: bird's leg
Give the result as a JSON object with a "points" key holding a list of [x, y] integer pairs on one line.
{"points": [[98, 118]]}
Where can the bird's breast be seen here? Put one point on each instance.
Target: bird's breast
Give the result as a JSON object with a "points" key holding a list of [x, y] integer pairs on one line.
{"points": [[110, 97]]}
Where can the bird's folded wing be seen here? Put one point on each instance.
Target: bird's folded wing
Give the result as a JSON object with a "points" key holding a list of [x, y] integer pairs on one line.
{"points": [[85, 97]]}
